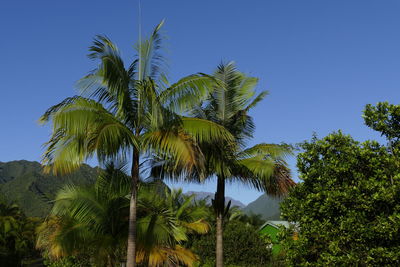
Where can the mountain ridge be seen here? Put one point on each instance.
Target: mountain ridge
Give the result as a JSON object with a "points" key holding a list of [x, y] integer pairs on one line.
{"points": [[266, 206], [23, 182], [199, 195]]}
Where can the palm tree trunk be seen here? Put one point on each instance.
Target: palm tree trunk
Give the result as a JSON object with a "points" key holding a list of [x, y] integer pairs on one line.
{"points": [[131, 251], [220, 207]]}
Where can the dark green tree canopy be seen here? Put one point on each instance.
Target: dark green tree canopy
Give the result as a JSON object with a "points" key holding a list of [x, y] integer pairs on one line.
{"points": [[384, 118], [348, 205]]}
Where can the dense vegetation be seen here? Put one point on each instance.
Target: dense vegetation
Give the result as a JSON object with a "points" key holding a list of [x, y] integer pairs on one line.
{"points": [[17, 236], [346, 212], [25, 184], [347, 209], [92, 221], [243, 246], [87, 226]]}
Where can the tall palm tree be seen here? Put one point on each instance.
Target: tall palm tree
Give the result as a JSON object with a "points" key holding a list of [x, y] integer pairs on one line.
{"points": [[262, 166], [128, 113], [93, 219]]}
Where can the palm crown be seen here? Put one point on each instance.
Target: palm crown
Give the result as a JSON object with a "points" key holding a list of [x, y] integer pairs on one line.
{"points": [[231, 96]]}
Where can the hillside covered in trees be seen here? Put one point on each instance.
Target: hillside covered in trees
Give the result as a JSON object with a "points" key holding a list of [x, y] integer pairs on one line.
{"points": [[25, 183]]}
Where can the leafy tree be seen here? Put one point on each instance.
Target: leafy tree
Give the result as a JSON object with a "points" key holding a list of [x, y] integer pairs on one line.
{"points": [[243, 246], [94, 220], [347, 208], [128, 113]]}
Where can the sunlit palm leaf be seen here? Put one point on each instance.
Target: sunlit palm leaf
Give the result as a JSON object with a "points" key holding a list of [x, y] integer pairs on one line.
{"points": [[205, 131], [150, 60], [110, 82], [187, 92], [268, 150], [176, 145], [81, 128]]}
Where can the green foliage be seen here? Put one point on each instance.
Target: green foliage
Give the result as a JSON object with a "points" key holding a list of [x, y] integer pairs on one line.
{"points": [[71, 261], [262, 166], [92, 222], [243, 246], [384, 118], [347, 207], [236, 214], [17, 236]]}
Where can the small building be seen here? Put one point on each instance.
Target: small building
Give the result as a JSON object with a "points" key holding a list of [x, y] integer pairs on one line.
{"points": [[272, 228]]}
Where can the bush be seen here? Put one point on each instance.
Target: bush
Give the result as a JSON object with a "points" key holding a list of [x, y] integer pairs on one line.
{"points": [[243, 247]]}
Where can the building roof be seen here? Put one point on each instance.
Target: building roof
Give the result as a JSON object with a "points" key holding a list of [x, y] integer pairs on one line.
{"points": [[276, 224]]}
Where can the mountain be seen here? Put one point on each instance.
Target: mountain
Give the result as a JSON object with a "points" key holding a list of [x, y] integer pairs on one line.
{"points": [[265, 205], [208, 196], [24, 183]]}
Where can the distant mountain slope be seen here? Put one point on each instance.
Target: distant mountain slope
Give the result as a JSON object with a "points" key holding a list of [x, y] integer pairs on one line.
{"points": [[209, 196], [24, 182], [266, 206]]}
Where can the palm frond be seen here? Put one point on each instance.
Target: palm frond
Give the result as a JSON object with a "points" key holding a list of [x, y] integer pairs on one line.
{"points": [[198, 227], [110, 82], [81, 129], [267, 150], [206, 131], [176, 145], [271, 176], [256, 100], [175, 256], [187, 92], [150, 59]]}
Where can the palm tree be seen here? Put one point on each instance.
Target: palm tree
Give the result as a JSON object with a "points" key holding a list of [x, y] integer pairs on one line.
{"points": [[89, 220], [168, 221], [93, 220], [262, 166], [128, 113], [190, 215]]}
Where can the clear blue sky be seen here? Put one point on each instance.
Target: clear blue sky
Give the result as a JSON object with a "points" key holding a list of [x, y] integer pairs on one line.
{"points": [[322, 61]]}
